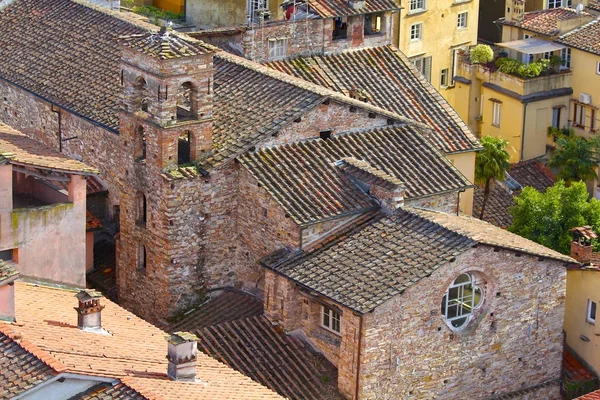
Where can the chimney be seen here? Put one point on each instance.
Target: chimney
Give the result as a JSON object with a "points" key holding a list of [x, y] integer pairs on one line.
{"points": [[8, 276], [581, 246], [388, 189], [89, 312], [182, 354]]}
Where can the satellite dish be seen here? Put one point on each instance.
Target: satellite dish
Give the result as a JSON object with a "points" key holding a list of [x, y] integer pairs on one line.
{"points": [[579, 8]]}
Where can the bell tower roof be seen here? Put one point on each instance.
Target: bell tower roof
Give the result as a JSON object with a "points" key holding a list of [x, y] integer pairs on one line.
{"points": [[166, 45]]}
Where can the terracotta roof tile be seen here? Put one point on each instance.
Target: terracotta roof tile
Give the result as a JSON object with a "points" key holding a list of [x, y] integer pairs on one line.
{"points": [[106, 391], [91, 223], [19, 149], [7, 271], [340, 8], [166, 45], [390, 81], [302, 176], [586, 37], [20, 369], [594, 5], [133, 351], [545, 21], [590, 396], [371, 264]]}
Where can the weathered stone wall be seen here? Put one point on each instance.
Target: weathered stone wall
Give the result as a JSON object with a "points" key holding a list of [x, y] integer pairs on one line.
{"points": [[513, 342], [447, 202]]}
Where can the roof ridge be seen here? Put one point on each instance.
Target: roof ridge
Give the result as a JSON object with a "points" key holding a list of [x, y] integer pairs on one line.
{"points": [[576, 30], [30, 347]]}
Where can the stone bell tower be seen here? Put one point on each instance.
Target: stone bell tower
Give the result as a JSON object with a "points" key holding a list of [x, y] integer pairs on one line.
{"points": [[166, 120]]}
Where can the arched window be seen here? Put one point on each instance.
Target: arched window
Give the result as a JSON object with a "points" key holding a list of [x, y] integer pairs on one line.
{"points": [[140, 94], [141, 257], [141, 210], [140, 144], [183, 148], [186, 102], [462, 297]]}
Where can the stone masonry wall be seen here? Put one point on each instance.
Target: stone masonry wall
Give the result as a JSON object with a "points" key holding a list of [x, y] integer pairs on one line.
{"points": [[446, 202], [515, 340]]}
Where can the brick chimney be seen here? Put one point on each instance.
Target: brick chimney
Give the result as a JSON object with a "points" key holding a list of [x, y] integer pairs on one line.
{"points": [[89, 311], [182, 354], [8, 276], [581, 246], [387, 189]]}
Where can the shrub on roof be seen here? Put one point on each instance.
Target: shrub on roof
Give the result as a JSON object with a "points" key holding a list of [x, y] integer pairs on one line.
{"points": [[481, 54]]}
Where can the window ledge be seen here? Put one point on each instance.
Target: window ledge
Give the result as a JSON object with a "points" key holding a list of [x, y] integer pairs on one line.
{"points": [[416, 40], [331, 330], [496, 125], [459, 2], [416, 12]]}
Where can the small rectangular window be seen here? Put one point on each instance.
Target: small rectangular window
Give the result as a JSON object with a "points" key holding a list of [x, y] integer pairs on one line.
{"points": [[462, 20], [556, 117], [444, 77], [373, 24], [277, 48], [331, 320], [496, 114], [423, 64], [579, 115], [565, 55], [598, 68], [594, 121], [416, 32], [591, 312], [6, 255], [416, 5]]}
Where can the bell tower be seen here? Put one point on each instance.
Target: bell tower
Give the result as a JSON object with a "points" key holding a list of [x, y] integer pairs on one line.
{"points": [[166, 120]]}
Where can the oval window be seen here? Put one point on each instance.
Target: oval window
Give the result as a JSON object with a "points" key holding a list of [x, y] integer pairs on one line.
{"points": [[461, 298]]}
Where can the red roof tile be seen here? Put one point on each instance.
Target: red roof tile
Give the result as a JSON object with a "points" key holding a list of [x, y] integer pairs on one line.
{"points": [[546, 21], [586, 37], [91, 223]]}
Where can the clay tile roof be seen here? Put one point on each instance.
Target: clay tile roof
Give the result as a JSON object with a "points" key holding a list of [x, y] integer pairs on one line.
{"points": [[586, 37], [232, 329], [7, 271], [20, 368], [590, 396], [67, 53], [393, 83], [106, 391], [91, 223], [527, 173], [381, 259], [19, 149], [133, 351], [166, 45], [303, 179], [340, 8], [544, 22], [594, 5]]}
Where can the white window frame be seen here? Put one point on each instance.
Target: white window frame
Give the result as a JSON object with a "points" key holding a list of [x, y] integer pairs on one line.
{"points": [[463, 19], [565, 55], [588, 316], [579, 115], [598, 68], [417, 5], [277, 48], [594, 120], [332, 316], [463, 304], [416, 32], [444, 78], [559, 3], [423, 64], [496, 113]]}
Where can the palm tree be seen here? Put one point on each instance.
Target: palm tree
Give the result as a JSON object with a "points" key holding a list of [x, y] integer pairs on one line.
{"points": [[577, 159], [490, 163]]}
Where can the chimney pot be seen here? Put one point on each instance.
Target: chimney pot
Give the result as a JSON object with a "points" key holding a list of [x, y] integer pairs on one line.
{"points": [[581, 246], [182, 354], [89, 311]]}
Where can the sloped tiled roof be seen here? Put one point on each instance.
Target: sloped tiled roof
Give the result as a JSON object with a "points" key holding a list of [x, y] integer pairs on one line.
{"points": [[91, 223], [67, 53], [370, 265], [586, 37], [303, 179], [544, 22], [228, 306], [7, 271], [590, 396], [390, 81], [20, 149], [594, 5], [133, 351], [341, 8], [165, 45], [105, 391], [20, 369], [231, 328]]}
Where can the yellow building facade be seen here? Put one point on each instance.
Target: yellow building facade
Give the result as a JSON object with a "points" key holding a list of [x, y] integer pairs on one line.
{"points": [[432, 32]]}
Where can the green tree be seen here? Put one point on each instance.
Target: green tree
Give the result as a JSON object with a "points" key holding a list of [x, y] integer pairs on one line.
{"points": [[547, 217], [490, 163], [576, 157]]}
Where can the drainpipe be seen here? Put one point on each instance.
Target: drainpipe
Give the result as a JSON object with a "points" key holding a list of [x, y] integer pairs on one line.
{"points": [[360, 328], [57, 111], [523, 131]]}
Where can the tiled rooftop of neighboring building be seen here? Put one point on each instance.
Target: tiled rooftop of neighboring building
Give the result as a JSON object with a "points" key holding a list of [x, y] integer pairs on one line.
{"points": [[91, 223], [594, 5], [368, 266], [303, 179], [232, 329], [590, 396], [19, 149], [544, 22], [164, 45], [527, 173], [20, 369], [134, 351], [105, 391], [387, 79], [341, 8], [586, 38], [7, 271]]}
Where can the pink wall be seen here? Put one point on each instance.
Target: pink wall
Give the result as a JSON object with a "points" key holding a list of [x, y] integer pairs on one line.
{"points": [[7, 302], [51, 239], [89, 250]]}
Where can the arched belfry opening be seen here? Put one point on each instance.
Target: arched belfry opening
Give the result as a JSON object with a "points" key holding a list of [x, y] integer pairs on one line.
{"points": [[140, 94], [184, 148], [140, 144]]}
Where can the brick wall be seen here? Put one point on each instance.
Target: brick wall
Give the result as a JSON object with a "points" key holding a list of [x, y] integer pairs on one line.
{"points": [[515, 340]]}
